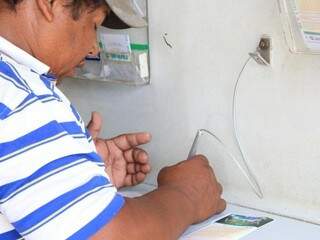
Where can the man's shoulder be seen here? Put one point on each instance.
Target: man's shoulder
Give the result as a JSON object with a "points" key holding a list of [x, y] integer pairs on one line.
{"points": [[13, 72], [13, 89], [19, 85]]}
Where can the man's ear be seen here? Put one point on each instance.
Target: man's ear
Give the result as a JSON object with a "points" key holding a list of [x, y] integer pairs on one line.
{"points": [[46, 8]]}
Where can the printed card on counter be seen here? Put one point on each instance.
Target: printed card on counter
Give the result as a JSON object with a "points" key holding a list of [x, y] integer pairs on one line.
{"points": [[231, 227]]}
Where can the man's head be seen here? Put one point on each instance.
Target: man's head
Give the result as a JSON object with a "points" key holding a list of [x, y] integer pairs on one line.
{"points": [[59, 33]]}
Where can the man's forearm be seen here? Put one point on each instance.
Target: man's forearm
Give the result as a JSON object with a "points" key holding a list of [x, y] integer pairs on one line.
{"points": [[162, 214]]}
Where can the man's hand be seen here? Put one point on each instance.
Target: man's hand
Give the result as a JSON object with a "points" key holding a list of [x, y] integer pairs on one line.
{"points": [[187, 193], [126, 164], [195, 179]]}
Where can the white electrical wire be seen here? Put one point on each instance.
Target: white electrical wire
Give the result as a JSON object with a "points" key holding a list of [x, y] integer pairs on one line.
{"points": [[247, 173], [246, 170], [256, 187]]}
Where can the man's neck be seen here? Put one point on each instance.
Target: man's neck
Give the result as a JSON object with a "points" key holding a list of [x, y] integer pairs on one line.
{"points": [[14, 29]]}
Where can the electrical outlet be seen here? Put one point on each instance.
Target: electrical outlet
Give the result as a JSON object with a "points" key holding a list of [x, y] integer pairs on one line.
{"points": [[263, 53], [259, 59]]}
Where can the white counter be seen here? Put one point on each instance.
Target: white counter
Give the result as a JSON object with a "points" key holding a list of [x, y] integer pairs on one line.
{"points": [[281, 228]]}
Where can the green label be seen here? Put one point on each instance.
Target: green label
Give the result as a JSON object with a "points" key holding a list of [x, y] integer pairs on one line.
{"points": [[139, 47], [119, 57]]}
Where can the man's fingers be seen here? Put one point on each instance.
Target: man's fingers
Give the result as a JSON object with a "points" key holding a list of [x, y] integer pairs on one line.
{"points": [[134, 179], [131, 168], [128, 180], [135, 168], [140, 177], [146, 168], [95, 124], [138, 168], [136, 155], [220, 188], [221, 206], [140, 156], [127, 141]]}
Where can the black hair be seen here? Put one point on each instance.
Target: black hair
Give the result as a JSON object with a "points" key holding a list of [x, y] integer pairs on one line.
{"points": [[76, 6]]}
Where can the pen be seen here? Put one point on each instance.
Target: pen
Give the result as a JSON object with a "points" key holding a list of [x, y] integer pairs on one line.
{"points": [[195, 144]]}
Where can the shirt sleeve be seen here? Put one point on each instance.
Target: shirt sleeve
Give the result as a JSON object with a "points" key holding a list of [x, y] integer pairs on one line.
{"points": [[7, 231], [52, 183]]}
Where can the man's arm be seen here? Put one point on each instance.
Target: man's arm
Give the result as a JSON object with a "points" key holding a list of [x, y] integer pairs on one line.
{"points": [[162, 214], [187, 193]]}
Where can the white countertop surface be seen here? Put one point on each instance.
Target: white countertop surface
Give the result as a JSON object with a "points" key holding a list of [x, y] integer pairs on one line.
{"points": [[281, 228]]}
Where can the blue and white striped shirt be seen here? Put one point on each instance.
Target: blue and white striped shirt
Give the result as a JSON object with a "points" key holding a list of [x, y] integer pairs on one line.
{"points": [[53, 184]]}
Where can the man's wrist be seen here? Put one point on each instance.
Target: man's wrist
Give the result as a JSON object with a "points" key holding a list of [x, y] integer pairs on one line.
{"points": [[184, 203]]}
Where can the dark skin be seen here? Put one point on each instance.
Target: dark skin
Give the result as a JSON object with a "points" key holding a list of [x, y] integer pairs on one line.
{"points": [[187, 193], [126, 163]]}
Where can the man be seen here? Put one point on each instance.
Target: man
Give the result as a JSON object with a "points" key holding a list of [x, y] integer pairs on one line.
{"points": [[53, 180]]}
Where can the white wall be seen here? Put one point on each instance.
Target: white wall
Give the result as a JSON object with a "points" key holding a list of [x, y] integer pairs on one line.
{"points": [[192, 86]]}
